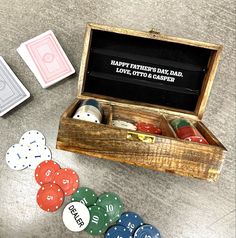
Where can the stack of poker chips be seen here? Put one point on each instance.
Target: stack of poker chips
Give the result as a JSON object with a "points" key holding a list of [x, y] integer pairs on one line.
{"points": [[89, 110], [139, 126], [124, 125], [148, 127], [186, 131]]}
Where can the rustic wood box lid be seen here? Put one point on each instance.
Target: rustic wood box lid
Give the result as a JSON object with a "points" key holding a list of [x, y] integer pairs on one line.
{"points": [[148, 69]]}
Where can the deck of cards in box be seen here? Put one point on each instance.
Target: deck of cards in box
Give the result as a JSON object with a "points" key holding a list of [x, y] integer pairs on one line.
{"points": [[12, 91], [45, 57], [141, 98]]}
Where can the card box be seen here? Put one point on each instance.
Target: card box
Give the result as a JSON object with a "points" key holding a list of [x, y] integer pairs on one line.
{"points": [[45, 57], [149, 77], [12, 91]]}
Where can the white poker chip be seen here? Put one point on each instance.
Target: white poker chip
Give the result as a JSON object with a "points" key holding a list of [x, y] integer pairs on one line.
{"points": [[33, 137], [88, 113], [124, 125], [17, 157], [37, 154], [76, 216], [87, 117]]}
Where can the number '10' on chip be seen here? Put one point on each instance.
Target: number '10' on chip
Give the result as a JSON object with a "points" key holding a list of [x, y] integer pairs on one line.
{"points": [[45, 57], [12, 91]]}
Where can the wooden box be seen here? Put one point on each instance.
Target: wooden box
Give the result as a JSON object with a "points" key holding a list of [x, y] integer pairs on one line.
{"points": [[170, 77]]}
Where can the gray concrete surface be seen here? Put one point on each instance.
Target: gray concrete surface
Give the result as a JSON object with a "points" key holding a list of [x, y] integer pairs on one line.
{"points": [[180, 207]]}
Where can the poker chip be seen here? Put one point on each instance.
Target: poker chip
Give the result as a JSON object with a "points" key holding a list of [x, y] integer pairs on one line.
{"points": [[124, 125], [198, 139], [90, 110], [88, 116], [67, 179], [92, 102], [147, 231], [131, 221], [148, 127], [98, 221], [37, 154], [17, 157], [50, 197], [33, 137], [76, 216], [117, 232], [179, 122], [187, 131], [112, 204], [85, 195], [45, 171]]}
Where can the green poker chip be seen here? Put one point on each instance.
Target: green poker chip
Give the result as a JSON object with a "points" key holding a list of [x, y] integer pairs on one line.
{"points": [[179, 122], [99, 221], [84, 195], [112, 204]]}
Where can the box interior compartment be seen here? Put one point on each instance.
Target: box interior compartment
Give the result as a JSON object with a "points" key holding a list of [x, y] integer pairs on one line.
{"points": [[107, 111], [146, 70], [211, 139], [133, 116]]}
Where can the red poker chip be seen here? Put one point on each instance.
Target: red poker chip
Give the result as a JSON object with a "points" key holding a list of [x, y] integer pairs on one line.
{"points": [[187, 131], [148, 127], [198, 139], [67, 179], [45, 171], [50, 197]]}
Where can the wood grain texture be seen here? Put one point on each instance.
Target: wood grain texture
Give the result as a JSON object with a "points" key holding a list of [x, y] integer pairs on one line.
{"points": [[153, 35], [167, 153], [208, 82]]}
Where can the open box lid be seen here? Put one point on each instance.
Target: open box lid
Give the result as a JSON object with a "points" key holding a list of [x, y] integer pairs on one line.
{"points": [[148, 69]]}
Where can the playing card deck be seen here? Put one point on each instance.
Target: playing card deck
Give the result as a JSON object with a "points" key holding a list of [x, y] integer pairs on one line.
{"points": [[45, 57], [12, 91]]}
